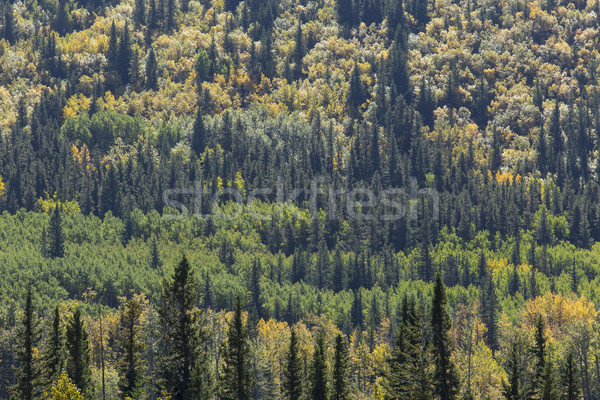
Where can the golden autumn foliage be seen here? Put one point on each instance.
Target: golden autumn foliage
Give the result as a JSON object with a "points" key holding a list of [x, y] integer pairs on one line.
{"points": [[64, 390], [559, 312]]}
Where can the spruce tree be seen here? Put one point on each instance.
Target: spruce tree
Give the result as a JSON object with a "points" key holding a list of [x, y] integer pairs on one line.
{"points": [[28, 336], [570, 379], [512, 390], [445, 376], [256, 290], [236, 377], [340, 389], [130, 346], [299, 52], [78, 355], [183, 336], [124, 55], [198, 140], [292, 383], [318, 371], [56, 243], [408, 377], [9, 24], [139, 13], [113, 47], [53, 356], [155, 263]]}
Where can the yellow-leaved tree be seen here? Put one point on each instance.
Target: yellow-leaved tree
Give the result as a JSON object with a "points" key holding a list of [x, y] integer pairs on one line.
{"points": [[2, 187], [64, 390]]}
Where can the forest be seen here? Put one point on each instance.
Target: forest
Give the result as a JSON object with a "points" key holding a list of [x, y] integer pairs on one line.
{"points": [[193, 199]]}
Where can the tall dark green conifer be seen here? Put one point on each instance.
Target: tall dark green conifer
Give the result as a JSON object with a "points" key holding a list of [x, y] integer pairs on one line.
{"points": [[570, 379], [445, 377], [340, 390], [182, 361], [299, 52], [292, 383], [318, 371], [78, 355], [130, 347], [236, 378], [28, 336], [56, 242], [198, 140], [53, 356]]}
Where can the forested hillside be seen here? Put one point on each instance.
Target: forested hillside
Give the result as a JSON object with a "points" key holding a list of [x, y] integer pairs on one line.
{"points": [[138, 262]]}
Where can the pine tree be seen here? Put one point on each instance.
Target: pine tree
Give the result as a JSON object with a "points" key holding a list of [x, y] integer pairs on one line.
{"points": [[570, 379], [445, 377], [28, 336], [53, 356], [124, 57], [496, 162], [78, 355], [408, 377], [338, 272], [56, 248], [318, 371], [538, 351], [299, 51], [489, 311], [171, 11], [131, 347], [340, 389], [236, 377], [199, 136], [139, 13], [356, 95], [9, 24], [256, 290], [113, 47], [155, 263], [183, 336], [202, 67], [512, 390], [292, 384], [151, 70]]}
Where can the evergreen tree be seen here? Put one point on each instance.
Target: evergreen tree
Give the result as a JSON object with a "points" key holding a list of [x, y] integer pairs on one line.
{"points": [[512, 390], [53, 356], [198, 141], [183, 336], [171, 11], [318, 371], [489, 311], [538, 352], [445, 377], [78, 355], [292, 383], [27, 371], [151, 70], [202, 67], [155, 263], [356, 96], [408, 378], [9, 24], [256, 290], [236, 378], [139, 13], [131, 346], [299, 52], [113, 47], [340, 389], [56, 248], [124, 57], [570, 379]]}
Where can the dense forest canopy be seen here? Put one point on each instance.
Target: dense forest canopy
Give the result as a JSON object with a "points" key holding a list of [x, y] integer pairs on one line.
{"points": [[137, 262]]}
